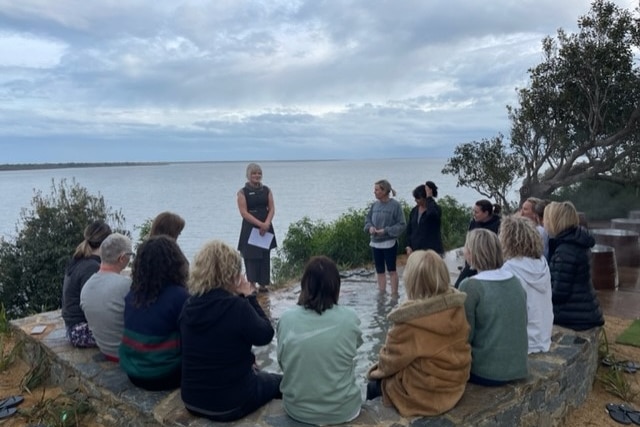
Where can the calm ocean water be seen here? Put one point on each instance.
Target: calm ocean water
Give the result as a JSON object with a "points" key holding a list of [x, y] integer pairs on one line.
{"points": [[204, 194]]}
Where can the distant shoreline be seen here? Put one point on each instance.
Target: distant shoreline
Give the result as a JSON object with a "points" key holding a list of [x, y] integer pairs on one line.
{"points": [[42, 166], [38, 166]]}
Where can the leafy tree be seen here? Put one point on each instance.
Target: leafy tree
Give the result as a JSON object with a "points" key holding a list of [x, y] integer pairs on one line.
{"points": [[32, 266], [578, 119], [486, 166]]}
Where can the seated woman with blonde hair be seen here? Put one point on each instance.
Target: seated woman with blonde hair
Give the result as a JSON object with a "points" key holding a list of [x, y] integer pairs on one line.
{"points": [[220, 323], [424, 364], [496, 308]]}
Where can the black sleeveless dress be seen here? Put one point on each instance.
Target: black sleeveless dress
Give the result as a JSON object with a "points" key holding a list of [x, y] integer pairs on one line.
{"points": [[258, 206]]}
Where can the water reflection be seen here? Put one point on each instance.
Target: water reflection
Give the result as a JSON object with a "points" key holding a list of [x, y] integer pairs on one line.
{"points": [[371, 306]]}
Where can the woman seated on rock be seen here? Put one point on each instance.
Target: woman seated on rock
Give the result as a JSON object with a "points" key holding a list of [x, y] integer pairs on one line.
{"points": [[220, 323], [84, 263], [575, 303], [523, 250], [496, 308], [317, 345], [424, 364], [150, 348]]}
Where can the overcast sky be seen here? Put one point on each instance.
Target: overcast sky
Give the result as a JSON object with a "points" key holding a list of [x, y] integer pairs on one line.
{"points": [[160, 80]]}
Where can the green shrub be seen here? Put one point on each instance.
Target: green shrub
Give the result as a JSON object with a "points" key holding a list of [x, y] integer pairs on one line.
{"points": [[455, 222], [601, 200], [345, 241], [32, 266]]}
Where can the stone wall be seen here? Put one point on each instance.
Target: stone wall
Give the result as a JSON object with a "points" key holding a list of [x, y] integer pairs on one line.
{"points": [[558, 381]]}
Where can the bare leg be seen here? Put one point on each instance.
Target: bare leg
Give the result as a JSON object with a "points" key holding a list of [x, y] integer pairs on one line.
{"points": [[382, 282], [393, 278]]}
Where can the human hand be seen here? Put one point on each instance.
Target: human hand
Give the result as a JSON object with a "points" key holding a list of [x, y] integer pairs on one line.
{"points": [[244, 287], [372, 230]]}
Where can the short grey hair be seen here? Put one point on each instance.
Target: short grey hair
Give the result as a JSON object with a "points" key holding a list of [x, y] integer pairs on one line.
{"points": [[113, 247]]}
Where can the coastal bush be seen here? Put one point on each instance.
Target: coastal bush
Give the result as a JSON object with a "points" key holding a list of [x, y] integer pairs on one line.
{"points": [[32, 264], [455, 222], [345, 241], [601, 200]]}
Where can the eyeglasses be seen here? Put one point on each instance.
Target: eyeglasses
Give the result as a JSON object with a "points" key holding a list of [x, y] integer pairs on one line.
{"points": [[130, 254]]}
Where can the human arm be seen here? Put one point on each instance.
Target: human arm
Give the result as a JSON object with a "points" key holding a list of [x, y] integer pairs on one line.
{"points": [[398, 224], [471, 288], [396, 354], [271, 212], [562, 267], [368, 222], [433, 211], [258, 328], [410, 224]]}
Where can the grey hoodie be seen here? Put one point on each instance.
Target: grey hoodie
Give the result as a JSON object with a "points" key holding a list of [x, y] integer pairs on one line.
{"points": [[535, 279]]}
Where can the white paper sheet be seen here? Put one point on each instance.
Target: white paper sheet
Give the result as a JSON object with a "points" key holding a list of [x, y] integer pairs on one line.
{"points": [[256, 239]]}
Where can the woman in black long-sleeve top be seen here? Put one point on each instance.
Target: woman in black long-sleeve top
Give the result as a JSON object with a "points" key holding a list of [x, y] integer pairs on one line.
{"points": [[423, 227]]}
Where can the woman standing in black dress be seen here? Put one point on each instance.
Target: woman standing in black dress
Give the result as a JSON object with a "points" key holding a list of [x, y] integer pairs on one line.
{"points": [[255, 203]]}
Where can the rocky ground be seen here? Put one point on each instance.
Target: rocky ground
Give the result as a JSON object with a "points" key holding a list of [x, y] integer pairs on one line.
{"points": [[46, 405]]}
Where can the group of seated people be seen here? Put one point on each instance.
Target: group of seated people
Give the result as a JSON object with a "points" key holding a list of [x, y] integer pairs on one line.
{"points": [[193, 326]]}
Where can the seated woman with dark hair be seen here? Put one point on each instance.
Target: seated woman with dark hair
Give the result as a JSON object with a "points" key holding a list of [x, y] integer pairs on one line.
{"points": [[484, 217], [167, 223], [150, 348], [84, 263], [317, 344], [220, 323]]}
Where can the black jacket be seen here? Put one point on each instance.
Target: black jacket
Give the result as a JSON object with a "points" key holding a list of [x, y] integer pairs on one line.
{"points": [[493, 224], [575, 304], [425, 234], [217, 330], [76, 274]]}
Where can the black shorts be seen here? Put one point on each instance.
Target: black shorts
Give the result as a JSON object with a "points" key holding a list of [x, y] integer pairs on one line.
{"points": [[382, 257]]}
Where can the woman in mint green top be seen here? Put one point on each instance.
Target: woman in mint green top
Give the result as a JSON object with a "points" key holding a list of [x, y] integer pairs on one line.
{"points": [[496, 309], [317, 344]]}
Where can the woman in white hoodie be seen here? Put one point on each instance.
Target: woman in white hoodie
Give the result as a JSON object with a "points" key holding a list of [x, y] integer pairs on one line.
{"points": [[522, 247]]}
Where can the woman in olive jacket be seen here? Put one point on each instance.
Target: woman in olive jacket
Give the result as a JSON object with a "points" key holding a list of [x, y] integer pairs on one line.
{"points": [[575, 304]]}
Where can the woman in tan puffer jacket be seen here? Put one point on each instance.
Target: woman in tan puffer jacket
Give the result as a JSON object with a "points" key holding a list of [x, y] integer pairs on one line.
{"points": [[424, 365]]}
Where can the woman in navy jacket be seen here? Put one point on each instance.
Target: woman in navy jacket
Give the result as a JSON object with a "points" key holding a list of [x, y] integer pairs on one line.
{"points": [[575, 304], [220, 323]]}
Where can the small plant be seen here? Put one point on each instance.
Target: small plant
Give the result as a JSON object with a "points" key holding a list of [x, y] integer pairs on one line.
{"points": [[5, 325], [65, 410], [615, 382], [38, 374], [613, 378]]}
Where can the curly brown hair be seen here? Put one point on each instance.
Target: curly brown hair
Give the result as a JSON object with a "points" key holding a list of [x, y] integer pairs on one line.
{"points": [[159, 262]]}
